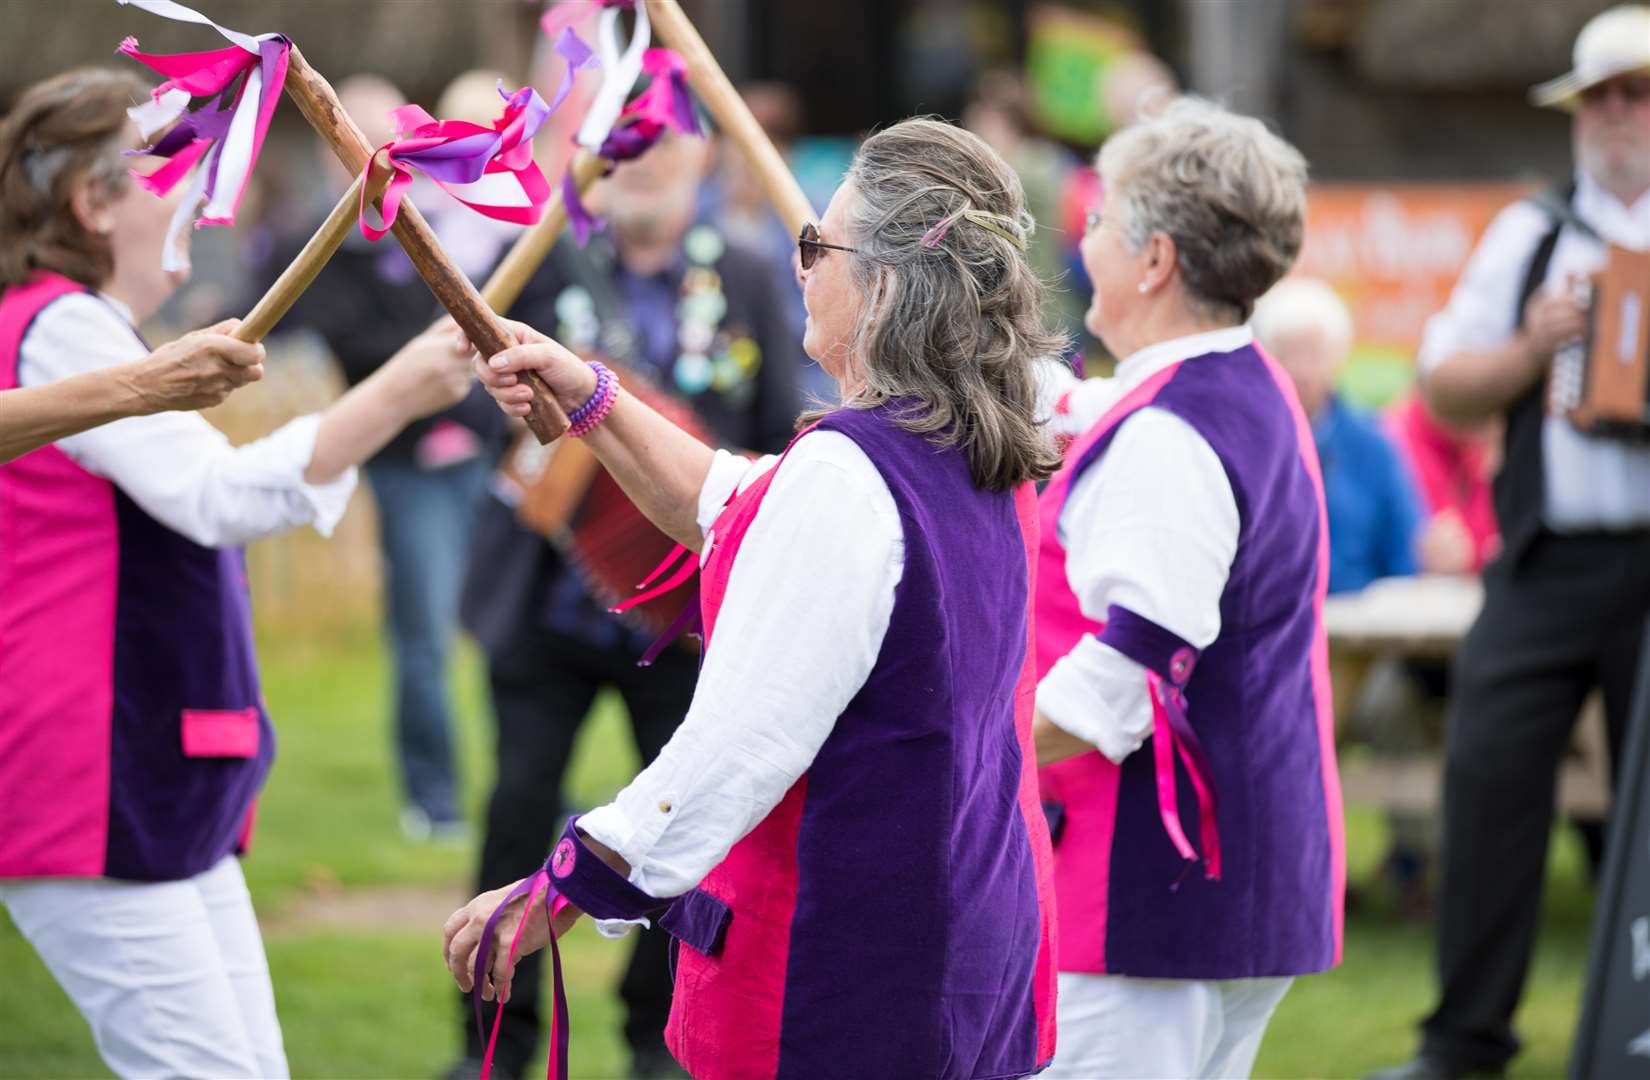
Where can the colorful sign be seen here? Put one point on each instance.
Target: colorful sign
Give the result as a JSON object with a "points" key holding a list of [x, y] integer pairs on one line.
{"points": [[1393, 253]]}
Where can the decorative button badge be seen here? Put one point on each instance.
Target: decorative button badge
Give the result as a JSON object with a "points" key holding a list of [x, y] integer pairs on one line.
{"points": [[1180, 665], [561, 862]]}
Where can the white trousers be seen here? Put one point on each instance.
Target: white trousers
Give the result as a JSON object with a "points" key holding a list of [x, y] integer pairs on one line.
{"points": [[170, 975], [1175, 1029]]}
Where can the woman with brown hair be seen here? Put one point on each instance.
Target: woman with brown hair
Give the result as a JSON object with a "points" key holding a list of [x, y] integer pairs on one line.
{"points": [[133, 735], [844, 833]]}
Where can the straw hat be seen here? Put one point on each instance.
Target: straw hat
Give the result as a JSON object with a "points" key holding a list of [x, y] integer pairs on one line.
{"points": [[1614, 42]]}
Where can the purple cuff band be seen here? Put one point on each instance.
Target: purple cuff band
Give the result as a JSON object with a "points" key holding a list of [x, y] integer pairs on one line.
{"points": [[1149, 645], [593, 886]]}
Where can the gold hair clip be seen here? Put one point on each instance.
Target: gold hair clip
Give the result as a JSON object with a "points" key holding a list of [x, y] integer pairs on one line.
{"points": [[1007, 228]]}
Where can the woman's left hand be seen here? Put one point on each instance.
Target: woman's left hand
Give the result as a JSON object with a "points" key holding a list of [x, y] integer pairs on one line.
{"points": [[461, 936]]}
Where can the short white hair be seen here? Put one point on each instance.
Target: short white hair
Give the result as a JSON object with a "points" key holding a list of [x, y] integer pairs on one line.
{"points": [[1229, 192], [1300, 306]]}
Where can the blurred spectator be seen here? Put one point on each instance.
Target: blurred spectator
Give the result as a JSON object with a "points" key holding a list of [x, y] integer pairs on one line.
{"points": [[1000, 114], [704, 319], [1374, 515], [1452, 468], [365, 304], [1132, 89], [735, 201], [1565, 601]]}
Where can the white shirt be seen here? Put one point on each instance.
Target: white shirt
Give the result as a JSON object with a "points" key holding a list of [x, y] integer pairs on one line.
{"points": [[1152, 526], [808, 603], [180, 469], [1590, 483]]}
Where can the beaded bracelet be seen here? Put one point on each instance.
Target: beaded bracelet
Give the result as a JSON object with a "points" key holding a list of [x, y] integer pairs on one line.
{"points": [[585, 418]]}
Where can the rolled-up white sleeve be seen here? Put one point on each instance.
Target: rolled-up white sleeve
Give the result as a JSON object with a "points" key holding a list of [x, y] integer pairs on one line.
{"points": [[807, 606], [176, 466], [1482, 309], [1153, 527]]}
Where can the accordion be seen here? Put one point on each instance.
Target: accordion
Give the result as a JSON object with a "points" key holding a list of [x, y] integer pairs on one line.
{"points": [[1601, 384], [562, 493]]}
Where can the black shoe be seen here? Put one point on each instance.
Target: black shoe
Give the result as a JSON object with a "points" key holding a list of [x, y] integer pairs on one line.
{"points": [[1423, 1067]]}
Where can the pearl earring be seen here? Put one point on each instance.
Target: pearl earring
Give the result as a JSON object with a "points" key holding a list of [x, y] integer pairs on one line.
{"points": [[1142, 287]]}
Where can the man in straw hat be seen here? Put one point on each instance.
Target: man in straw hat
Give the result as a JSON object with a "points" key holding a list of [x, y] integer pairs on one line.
{"points": [[1566, 601]]}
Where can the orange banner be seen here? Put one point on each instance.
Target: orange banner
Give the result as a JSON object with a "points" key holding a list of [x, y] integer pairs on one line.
{"points": [[1393, 251]]}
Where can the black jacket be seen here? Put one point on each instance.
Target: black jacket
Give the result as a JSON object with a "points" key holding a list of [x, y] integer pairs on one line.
{"points": [[516, 577], [367, 302]]}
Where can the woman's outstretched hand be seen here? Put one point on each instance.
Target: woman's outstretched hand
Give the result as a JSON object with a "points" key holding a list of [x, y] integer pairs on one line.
{"points": [[429, 372], [197, 371], [570, 379], [461, 936]]}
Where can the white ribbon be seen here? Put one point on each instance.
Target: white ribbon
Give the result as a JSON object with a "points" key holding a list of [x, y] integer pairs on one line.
{"points": [[619, 74], [167, 9], [156, 113]]}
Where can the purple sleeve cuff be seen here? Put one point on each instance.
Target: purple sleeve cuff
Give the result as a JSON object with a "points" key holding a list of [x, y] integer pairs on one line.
{"points": [[1149, 645], [593, 886], [698, 919]]}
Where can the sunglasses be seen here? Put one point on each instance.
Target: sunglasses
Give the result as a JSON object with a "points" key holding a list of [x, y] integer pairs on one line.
{"points": [[1632, 91], [809, 245]]}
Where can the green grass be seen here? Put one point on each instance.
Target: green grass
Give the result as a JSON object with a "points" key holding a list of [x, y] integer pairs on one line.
{"points": [[374, 1000]]}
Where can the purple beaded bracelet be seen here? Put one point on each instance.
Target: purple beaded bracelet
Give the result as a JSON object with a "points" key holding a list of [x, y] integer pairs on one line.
{"points": [[585, 418]]}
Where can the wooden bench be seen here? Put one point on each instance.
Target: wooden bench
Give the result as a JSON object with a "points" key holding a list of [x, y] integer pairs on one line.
{"points": [[1425, 618]]}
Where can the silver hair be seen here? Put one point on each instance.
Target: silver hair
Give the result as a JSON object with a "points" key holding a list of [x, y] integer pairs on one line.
{"points": [[950, 323], [1229, 192]]}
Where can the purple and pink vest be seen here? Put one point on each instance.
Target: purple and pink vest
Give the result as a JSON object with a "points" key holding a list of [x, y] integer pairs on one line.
{"points": [[133, 736], [1255, 731], [892, 916]]}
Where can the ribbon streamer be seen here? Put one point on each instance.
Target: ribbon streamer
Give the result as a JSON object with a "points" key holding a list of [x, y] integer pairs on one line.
{"points": [[489, 169], [666, 105], [613, 129], [220, 141], [1172, 737]]}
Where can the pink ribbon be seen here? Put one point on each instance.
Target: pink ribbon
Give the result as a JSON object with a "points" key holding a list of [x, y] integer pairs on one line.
{"points": [[234, 91], [534, 888], [1172, 737], [457, 154]]}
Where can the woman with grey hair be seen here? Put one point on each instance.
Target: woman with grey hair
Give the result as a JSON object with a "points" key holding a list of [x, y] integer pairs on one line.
{"points": [[1180, 590], [844, 833]]}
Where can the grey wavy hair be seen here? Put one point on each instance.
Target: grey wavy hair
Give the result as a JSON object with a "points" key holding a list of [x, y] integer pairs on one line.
{"points": [[951, 321], [1230, 193]]}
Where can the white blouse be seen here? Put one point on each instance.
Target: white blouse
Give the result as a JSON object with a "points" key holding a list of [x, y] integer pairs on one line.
{"points": [[180, 469], [807, 605], [1152, 526]]}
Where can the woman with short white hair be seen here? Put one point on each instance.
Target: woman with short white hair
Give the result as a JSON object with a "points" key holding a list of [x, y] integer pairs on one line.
{"points": [[1180, 591]]}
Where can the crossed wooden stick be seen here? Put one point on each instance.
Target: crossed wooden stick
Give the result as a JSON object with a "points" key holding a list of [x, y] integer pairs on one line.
{"points": [[473, 311]]}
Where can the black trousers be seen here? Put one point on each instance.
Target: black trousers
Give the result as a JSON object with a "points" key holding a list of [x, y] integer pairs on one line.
{"points": [[1567, 617], [543, 686]]}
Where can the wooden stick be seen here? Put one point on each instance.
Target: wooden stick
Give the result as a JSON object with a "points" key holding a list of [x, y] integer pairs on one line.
{"points": [[318, 102], [533, 246], [301, 273], [731, 113]]}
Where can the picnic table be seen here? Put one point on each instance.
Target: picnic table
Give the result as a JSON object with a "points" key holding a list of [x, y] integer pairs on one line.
{"points": [[1425, 618]]}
